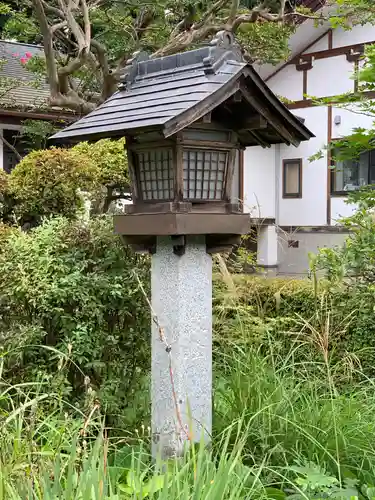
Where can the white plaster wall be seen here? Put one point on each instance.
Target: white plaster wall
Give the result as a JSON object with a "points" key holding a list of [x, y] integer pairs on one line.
{"points": [[267, 249], [330, 76], [295, 261], [321, 44], [358, 34], [259, 181], [350, 118], [327, 77], [303, 37], [311, 209], [288, 83], [339, 209]]}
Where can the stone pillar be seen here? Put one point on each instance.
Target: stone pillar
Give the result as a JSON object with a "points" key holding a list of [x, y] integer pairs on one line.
{"points": [[267, 247], [181, 291]]}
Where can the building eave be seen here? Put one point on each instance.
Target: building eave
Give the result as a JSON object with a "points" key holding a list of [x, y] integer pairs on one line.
{"points": [[48, 115]]}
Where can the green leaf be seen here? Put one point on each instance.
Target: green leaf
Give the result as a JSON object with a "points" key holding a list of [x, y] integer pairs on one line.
{"points": [[155, 484], [125, 489], [132, 480], [275, 494]]}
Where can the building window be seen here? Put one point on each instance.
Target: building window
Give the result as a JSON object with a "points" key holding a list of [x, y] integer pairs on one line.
{"points": [[292, 178], [10, 159], [352, 174]]}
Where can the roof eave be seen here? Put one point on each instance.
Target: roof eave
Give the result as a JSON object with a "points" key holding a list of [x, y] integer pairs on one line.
{"points": [[304, 133], [62, 138]]}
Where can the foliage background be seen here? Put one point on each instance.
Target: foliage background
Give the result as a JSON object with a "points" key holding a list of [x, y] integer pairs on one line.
{"points": [[72, 315], [59, 181]]}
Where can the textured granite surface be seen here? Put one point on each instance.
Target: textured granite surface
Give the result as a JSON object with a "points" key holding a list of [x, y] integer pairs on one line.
{"points": [[182, 301]]}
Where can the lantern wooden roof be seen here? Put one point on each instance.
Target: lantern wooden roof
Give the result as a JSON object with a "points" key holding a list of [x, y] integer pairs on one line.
{"points": [[170, 93]]}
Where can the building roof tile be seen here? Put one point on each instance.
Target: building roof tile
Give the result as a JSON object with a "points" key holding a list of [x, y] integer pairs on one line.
{"points": [[24, 94]]}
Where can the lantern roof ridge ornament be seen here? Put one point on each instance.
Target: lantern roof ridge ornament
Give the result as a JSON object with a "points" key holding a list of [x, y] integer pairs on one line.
{"points": [[210, 57], [170, 93]]}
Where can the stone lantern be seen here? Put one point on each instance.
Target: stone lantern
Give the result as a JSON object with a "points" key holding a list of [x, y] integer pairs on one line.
{"points": [[186, 119]]}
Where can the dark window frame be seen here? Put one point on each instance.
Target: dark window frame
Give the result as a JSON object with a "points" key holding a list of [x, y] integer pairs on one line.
{"points": [[298, 194], [10, 160], [342, 193]]}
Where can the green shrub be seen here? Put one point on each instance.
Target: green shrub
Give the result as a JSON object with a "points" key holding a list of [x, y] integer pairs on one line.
{"points": [[46, 183], [350, 270], [57, 181], [248, 308], [72, 314], [110, 161], [273, 297], [299, 315]]}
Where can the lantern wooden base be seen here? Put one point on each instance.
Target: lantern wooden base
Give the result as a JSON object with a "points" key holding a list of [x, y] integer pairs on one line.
{"points": [[181, 223], [182, 207], [222, 231], [215, 243]]}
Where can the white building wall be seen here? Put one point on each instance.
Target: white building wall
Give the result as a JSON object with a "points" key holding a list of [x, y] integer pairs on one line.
{"points": [[358, 34], [321, 44], [340, 209], [349, 118], [329, 76], [311, 209], [288, 83], [259, 182], [295, 260]]}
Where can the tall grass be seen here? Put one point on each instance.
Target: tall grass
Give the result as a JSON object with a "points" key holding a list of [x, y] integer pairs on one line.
{"points": [[300, 405], [285, 425], [292, 418], [267, 420]]}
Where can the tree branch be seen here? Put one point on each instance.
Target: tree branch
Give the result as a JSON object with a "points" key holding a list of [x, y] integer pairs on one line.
{"points": [[282, 8], [58, 26], [72, 101], [141, 24], [83, 51], [86, 21], [48, 47], [234, 10], [109, 78], [210, 13], [10, 146], [182, 41], [52, 10]]}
